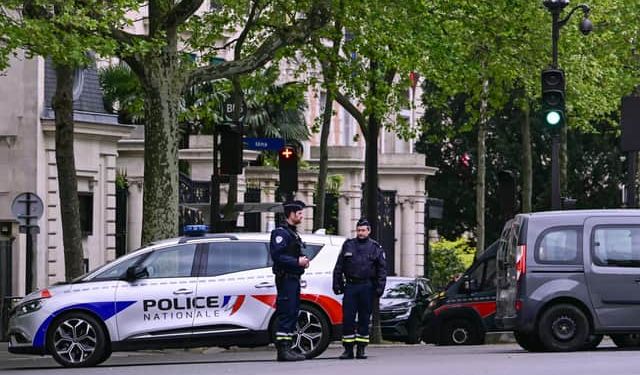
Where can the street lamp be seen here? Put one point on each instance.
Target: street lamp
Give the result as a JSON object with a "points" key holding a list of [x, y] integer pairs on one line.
{"points": [[555, 118]]}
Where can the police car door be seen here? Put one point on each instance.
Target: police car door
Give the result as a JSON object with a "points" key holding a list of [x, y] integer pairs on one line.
{"points": [[164, 296], [236, 283]]}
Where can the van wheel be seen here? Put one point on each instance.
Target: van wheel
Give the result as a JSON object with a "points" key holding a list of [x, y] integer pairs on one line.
{"points": [[563, 328], [461, 332], [631, 340], [529, 341], [592, 342], [313, 332], [77, 339]]}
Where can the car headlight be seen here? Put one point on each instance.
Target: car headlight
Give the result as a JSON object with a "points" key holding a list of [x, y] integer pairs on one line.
{"points": [[27, 307]]}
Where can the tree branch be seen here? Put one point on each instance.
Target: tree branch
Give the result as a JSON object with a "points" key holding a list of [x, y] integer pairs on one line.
{"points": [[344, 101], [180, 13], [297, 33], [245, 32]]}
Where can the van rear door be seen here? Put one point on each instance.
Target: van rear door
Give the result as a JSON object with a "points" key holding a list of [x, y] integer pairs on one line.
{"points": [[507, 275], [612, 267]]}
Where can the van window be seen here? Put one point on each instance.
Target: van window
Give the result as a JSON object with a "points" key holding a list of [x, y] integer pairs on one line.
{"points": [[558, 246], [616, 246]]}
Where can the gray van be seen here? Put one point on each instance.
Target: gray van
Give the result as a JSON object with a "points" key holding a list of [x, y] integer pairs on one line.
{"points": [[566, 278]]}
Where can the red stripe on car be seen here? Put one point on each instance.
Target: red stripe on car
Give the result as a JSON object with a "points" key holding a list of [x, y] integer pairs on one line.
{"points": [[332, 307], [237, 304]]}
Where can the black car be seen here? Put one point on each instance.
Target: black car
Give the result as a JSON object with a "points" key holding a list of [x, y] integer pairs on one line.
{"points": [[402, 308]]}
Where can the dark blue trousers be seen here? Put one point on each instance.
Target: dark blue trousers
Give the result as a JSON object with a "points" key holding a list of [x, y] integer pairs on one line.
{"points": [[287, 305], [358, 300]]}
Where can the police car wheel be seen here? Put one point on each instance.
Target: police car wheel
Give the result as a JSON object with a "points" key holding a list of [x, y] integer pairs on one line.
{"points": [[313, 332], [77, 339], [460, 332]]}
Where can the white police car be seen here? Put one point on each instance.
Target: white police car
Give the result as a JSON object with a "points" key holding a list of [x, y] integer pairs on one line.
{"points": [[210, 290]]}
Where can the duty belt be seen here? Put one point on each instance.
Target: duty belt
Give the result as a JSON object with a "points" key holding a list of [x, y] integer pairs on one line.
{"points": [[357, 280]]}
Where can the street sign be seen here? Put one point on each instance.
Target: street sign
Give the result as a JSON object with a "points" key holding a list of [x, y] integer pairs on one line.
{"points": [[263, 144], [27, 207], [229, 110]]}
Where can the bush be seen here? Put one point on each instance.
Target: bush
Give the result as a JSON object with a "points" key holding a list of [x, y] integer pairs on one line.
{"points": [[447, 259]]}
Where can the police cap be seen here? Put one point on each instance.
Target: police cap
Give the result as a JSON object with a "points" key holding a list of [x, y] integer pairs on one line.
{"points": [[293, 206], [363, 223]]}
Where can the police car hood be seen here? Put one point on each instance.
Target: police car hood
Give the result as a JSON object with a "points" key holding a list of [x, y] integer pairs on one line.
{"points": [[53, 290]]}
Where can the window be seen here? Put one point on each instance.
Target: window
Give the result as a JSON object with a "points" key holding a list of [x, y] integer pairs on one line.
{"points": [[558, 246], [86, 213], [228, 257], [117, 271], [175, 261], [616, 246], [489, 282]]}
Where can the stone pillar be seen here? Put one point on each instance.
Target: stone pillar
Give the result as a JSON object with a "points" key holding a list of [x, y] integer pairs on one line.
{"points": [[349, 212], [408, 237], [268, 194], [134, 214]]}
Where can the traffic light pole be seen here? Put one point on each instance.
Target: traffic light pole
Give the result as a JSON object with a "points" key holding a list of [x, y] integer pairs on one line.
{"points": [[556, 203]]}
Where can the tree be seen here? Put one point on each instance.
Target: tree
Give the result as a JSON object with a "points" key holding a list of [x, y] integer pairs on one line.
{"points": [[63, 32], [155, 58]]}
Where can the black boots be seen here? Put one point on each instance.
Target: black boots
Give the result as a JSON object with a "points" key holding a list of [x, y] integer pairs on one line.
{"points": [[286, 354], [348, 351], [360, 352]]}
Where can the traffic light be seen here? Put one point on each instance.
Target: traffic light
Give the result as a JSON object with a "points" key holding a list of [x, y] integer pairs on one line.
{"points": [[553, 97], [230, 152], [288, 164]]}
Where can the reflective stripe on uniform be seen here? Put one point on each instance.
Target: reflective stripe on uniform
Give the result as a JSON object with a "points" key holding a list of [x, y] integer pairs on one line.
{"points": [[284, 336], [349, 338], [360, 338]]}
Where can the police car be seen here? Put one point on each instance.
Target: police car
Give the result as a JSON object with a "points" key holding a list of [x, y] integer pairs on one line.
{"points": [[208, 290]]}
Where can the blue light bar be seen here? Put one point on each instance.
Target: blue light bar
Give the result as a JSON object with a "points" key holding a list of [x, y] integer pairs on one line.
{"points": [[195, 229]]}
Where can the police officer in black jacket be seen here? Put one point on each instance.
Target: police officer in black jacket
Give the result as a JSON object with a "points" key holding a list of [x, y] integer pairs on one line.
{"points": [[359, 273], [289, 264]]}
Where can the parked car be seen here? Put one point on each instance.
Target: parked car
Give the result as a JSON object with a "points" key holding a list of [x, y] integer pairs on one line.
{"points": [[208, 290], [566, 278], [465, 310], [402, 307]]}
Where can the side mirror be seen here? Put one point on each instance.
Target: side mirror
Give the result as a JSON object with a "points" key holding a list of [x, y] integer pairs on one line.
{"points": [[136, 272], [470, 285]]}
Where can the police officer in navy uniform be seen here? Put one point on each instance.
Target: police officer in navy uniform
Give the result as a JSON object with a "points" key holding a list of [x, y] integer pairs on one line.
{"points": [[360, 272], [289, 263]]}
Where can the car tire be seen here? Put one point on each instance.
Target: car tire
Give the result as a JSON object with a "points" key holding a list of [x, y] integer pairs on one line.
{"points": [[631, 340], [563, 328], [529, 341], [592, 342], [313, 332], [414, 331], [461, 332], [77, 339]]}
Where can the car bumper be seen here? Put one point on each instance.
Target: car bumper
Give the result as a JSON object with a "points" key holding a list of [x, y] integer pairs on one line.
{"points": [[394, 330]]}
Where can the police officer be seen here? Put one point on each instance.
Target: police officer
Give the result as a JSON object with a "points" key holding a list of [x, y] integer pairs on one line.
{"points": [[359, 273], [289, 263]]}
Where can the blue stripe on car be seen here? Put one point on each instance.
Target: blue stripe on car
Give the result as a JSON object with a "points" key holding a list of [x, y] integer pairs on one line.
{"points": [[104, 310]]}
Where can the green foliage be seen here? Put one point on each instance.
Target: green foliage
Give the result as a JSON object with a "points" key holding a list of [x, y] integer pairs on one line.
{"points": [[448, 259], [122, 93]]}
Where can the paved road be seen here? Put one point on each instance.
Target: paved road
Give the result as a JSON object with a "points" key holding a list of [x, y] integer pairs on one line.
{"points": [[389, 360]]}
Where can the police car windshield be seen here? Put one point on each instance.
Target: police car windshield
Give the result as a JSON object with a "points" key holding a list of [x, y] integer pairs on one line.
{"points": [[405, 289]]}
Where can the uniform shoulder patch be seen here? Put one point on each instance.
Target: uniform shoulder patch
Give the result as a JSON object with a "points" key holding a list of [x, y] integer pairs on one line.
{"points": [[279, 239]]}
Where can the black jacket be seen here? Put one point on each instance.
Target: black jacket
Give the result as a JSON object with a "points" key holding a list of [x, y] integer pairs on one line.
{"points": [[360, 260]]}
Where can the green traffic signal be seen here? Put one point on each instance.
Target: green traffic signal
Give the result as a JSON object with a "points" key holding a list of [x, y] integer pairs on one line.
{"points": [[553, 118]]}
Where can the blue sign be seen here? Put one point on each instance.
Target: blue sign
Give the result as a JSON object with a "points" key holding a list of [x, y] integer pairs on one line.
{"points": [[262, 144]]}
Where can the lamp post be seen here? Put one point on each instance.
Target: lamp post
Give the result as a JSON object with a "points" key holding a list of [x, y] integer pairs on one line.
{"points": [[556, 7]]}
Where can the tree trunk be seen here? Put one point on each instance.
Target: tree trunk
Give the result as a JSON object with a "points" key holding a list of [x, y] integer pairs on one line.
{"points": [[371, 187], [482, 169], [527, 158], [160, 199], [67, 179], [321, 187]]}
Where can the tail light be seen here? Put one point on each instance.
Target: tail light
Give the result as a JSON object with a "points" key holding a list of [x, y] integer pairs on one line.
{"points": [[521, 261]]}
